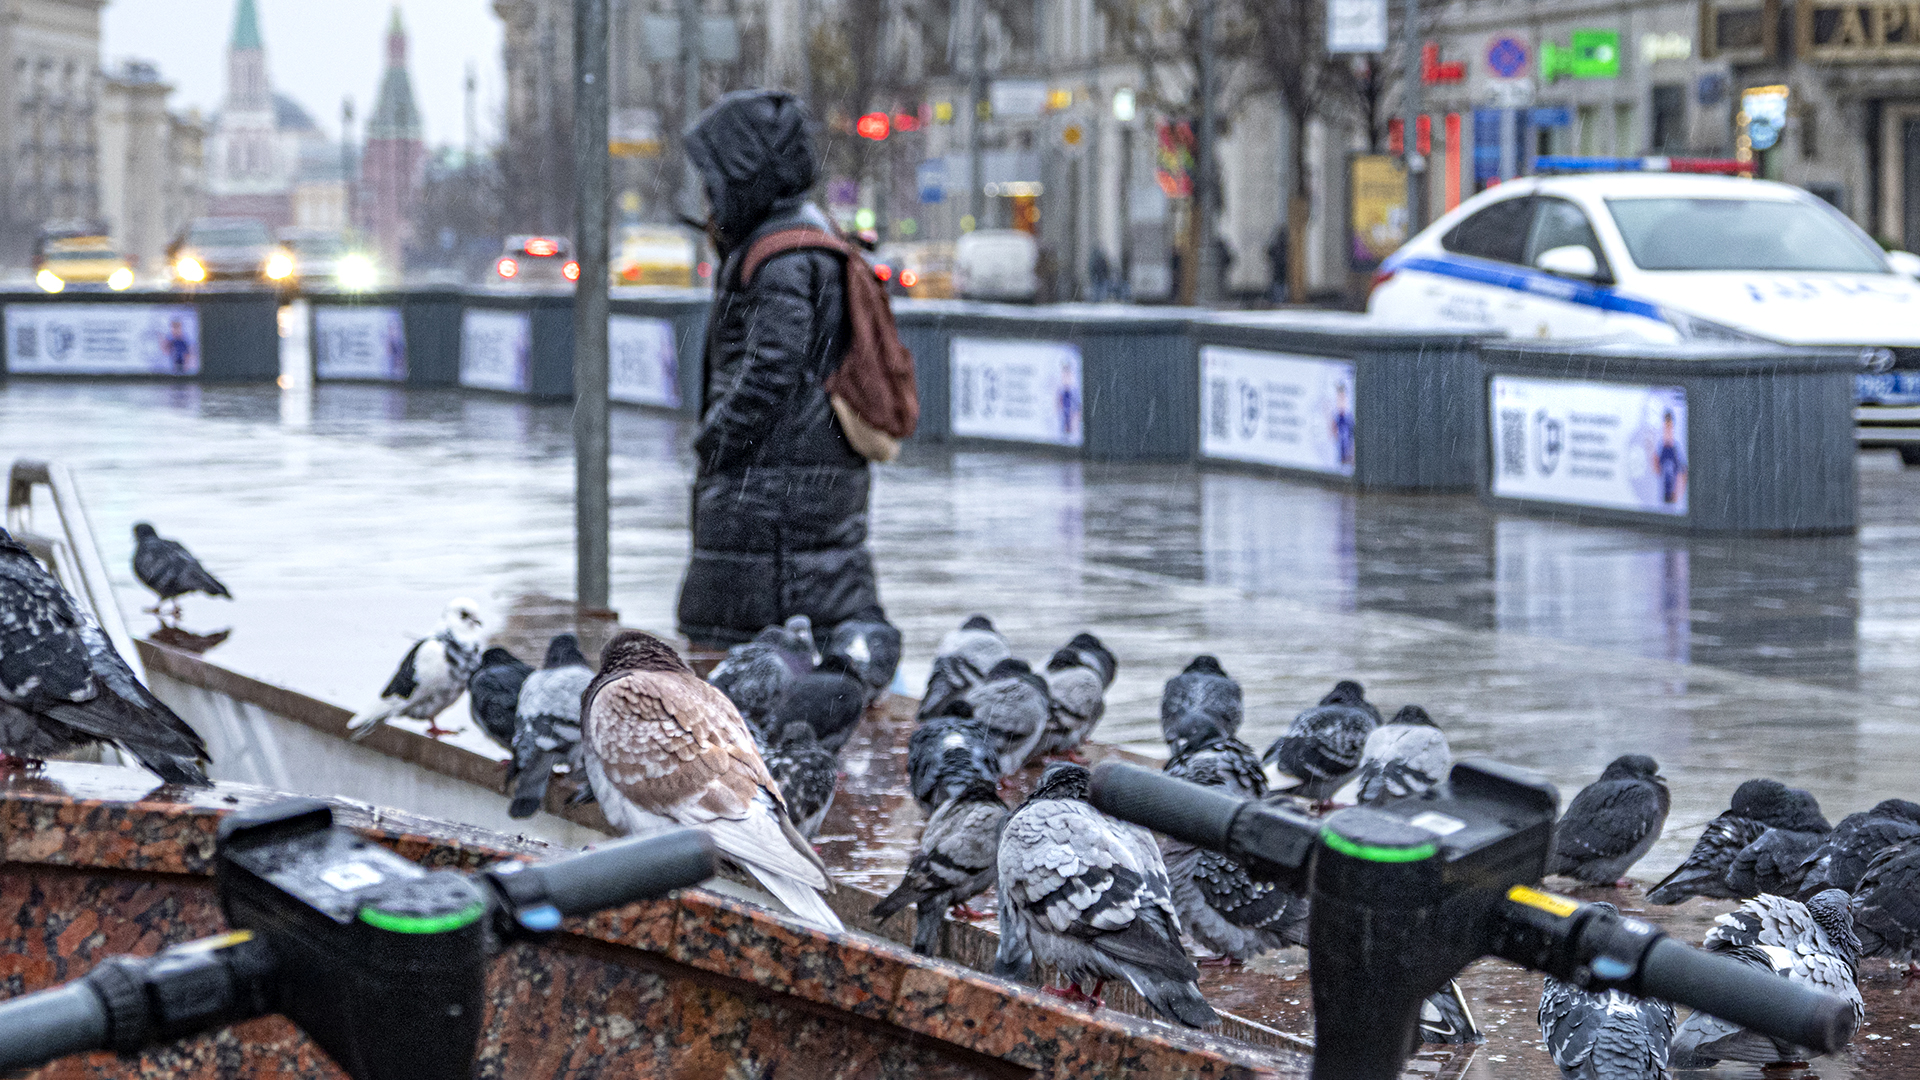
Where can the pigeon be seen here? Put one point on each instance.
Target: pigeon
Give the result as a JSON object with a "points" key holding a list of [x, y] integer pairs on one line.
{"points": [[547, 723], [1812, 944], [1093, 653], [1089, 897], [1078, 701], [1207, 755], [957, 860], [1843, 854], [1771, 864], [1405, 756], [962, 662], [431, 676], [1352, 694], [1606, 1036], [62, 685], [1704, 871], [871, 649], [1612, 823], [807, 774], [830, 699], [1229, 911], [1203, 689], [1014, 705], [1322, 746], [664, 748], [169, 569], [946, 754], [1886, 906], [756, 674], [493, 694]]}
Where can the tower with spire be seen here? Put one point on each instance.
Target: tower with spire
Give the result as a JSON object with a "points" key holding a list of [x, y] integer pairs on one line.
{"points": [[395, 156], [245, 174]]}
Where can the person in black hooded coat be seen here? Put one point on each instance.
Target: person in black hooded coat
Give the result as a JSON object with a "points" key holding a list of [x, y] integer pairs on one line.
{"points": [[780, 498]]}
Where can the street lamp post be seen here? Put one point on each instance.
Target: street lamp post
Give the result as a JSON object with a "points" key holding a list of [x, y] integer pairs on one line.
{"points": [[1410, 126], [591, 443]]}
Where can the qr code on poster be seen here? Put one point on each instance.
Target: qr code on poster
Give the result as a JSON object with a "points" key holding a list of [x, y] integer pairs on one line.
{"points": [[1219, 409], [1513, 442]]}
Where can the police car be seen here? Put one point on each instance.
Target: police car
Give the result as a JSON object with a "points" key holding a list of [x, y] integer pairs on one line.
{"points": [[1671, 257]]}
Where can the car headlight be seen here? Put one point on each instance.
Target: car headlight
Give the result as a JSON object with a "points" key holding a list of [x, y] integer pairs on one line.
{"points": [[1695, 328], [121, 279], [189, 269], [49, 281], [279, 266], [355, 272]]}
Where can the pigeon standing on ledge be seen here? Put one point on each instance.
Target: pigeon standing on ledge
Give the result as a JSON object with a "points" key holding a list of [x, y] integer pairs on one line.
{"points": [[493, 694], [946, 754], [546, 727], [1612, 823], [1405, 756], [756, 674], [1773, 863], [957, 859], [1014, 705], [1203, 691], [1886, 906], [961, 662], [871, 650], [62, 685], [1322, 746], [1845, 852], [807, 773], [431, 676], [1078, 694], [1755, 805], [1608, 1036], [170, 570], [830, 699]]}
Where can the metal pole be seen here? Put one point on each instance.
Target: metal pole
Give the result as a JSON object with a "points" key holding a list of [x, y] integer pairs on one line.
{"points": [[976, 97], [1207, 262], [590, 438], [1412, 107], [1126, 211], [690, 43], [346, 159]]}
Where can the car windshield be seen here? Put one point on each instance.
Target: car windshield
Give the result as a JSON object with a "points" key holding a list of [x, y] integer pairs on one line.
{"points": [[250, 234], [315, 246], [1741, 234]]}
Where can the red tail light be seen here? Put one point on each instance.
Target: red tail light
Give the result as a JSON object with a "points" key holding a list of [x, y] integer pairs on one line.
{"points": [[542, 246], [908, 279], [571, 271], [883, 272], [506, 268]]}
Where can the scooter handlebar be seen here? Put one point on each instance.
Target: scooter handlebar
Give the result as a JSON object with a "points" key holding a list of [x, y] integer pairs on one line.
{"points": [[1749, 996]]}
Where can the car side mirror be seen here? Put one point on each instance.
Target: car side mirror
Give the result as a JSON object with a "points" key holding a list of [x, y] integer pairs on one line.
{"points": [[1573, 260], [1904, 262]]}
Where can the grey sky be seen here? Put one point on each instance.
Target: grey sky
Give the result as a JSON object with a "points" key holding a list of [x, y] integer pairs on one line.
{"points": [[319, 51]]}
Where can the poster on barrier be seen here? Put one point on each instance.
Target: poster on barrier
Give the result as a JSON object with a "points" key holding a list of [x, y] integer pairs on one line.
{"points": [[496, 350], [1277, 409], [359, 343], [643, 366], [1023, 391], [1590, 443], [103, 339]]}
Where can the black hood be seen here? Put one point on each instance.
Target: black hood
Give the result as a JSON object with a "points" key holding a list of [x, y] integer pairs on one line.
{"points": [[754, 151]]}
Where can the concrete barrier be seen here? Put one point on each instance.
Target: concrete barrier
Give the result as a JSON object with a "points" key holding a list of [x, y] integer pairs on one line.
{"points": [[1702, 439], [518, 342], [215, 334]]}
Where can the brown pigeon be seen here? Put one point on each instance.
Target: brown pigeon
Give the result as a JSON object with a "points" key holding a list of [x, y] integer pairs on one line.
{"points": [[664, 748]]}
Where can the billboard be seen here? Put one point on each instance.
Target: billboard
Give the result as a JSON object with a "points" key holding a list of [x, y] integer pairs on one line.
{"points": [[643, 366], [1023, 391], [1277, 409], [103, 339], [359, 343], [496, 350], [1590, 443], [1376, 208]]}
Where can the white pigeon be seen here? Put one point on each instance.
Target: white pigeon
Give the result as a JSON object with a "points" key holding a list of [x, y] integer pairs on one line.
{"points": [[432, 675], [1407, 755], [664, 748]]}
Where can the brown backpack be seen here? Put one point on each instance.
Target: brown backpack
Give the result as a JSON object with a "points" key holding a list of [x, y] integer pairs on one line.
{"points": [[873, 391]]}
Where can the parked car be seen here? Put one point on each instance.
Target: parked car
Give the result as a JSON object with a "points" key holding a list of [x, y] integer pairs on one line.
{"points": [[546, 260], [920, 270], [1669, 258], [325, 258], [228, 249], [655, 255], [80, 255], [996, 264]]}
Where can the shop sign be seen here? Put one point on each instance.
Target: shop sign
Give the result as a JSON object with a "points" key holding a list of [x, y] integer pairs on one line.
{"points": [[1854, 31], [1655, 48], [1589, 54], [1356, 26], [1377, 215]]}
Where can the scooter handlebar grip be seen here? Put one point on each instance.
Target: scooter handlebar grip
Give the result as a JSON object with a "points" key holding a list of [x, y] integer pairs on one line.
{"points": [[51, 1024], [1745, 995], [1201, 816], [624, 871]]}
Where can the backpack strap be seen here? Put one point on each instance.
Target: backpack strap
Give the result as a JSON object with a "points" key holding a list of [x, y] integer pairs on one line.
{"points": [[782, 241]]}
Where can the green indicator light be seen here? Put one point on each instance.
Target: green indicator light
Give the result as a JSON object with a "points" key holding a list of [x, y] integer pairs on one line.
{"points": [[423, 924], [1377, 854]]}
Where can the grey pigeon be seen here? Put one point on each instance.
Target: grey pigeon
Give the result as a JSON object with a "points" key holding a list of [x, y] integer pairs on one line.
{"points": [[807, 773], [1703, 872], [1812, 944], [756, 674], [62, 685], [961, 662], [1094, 653], [1886, 906], [1206, 755], [1772, 863], [1014, 705], [431, 677], [870, 648], [493, 694], [958, 858], [169, 569], [946, 754], [1607, 1036], [1612, 823], [1226, 909], [1089, 897], [1445, 1018], [1078, 701], [546, 728], [1844, 853], [1322, 746], [1406, 756], [1202, 690], [1352, 694], [831, 699]]}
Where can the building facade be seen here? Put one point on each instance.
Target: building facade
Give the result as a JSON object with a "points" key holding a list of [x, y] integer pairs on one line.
{"points": [[149, 164], [49, 96], [266, 157], [395, 155]]}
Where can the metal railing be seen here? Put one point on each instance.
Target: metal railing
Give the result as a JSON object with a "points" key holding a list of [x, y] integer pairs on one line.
{"points": [[69, 550]]}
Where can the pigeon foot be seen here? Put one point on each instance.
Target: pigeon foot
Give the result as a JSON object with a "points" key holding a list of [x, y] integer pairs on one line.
{"points": [[1222, 961], [966, 913], [1077, 996], [1074, 756], [435, 731]]}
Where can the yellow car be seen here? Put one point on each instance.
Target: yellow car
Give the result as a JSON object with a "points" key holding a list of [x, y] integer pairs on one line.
{"points": [[82, 258], [654, 255]]}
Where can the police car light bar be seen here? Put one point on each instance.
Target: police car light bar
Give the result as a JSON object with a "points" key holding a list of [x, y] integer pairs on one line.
{"points": [[1571, 163]]}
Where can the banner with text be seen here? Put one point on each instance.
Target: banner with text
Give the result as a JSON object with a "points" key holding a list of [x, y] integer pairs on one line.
{"points": [[1276, 409], [1591, 444], [359, 343], [496, 350], [103, 339], [643, 365], [1026, 391]]}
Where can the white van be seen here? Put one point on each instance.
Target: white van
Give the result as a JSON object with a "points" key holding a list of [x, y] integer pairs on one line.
{"points": [[996, 264]]}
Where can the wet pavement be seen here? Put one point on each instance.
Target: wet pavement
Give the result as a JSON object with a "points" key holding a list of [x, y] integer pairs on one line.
{"points": [[345, 517]]}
